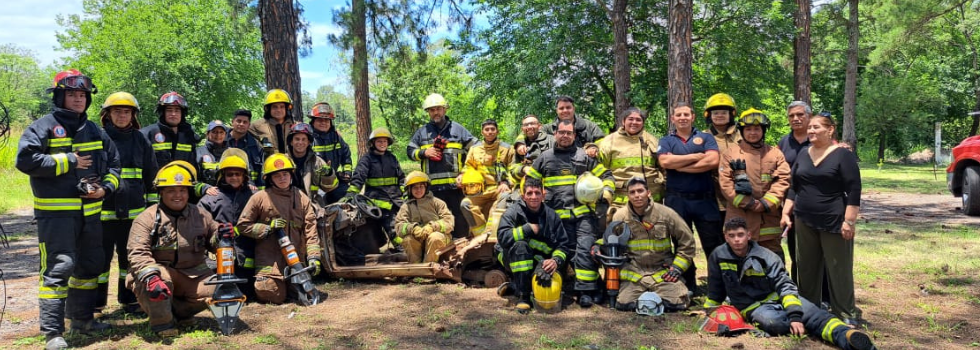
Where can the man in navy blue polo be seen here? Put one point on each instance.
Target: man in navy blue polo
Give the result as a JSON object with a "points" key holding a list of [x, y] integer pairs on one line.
{"points": [[690, 157]]}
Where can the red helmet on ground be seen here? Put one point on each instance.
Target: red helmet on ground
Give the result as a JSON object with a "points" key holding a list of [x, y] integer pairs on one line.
{"points": [[725, 321]]}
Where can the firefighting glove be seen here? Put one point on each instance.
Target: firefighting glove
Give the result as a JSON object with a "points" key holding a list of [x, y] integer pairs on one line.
{"points": [[226, 230], [544, 278], [426, 230], [157, 289], [277, 223], [345, 176], [326, 170], [674, 272], [419, 232], [742, 184], [317, 266], [88, 185]]}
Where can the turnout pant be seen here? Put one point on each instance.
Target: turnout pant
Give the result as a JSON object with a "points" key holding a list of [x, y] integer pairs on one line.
{"points": [[826, 252], [700, 212], [673, 293], [115, 234], [582, 230], [519, 260], [772, 318], [476, 210], [189, 298], [71, 261], [425, 250], [453, 198]]}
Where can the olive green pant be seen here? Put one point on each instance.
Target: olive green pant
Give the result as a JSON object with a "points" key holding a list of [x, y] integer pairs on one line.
{"points": [[821, 252]]}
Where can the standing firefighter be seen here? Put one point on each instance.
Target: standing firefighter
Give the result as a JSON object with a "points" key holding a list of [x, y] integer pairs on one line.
{"points": [[381, 176], [272, 129], [280, 206], [167, 251], [139, 165], [424, 223], [629, 152], [72, 166], [485, 178], [209, 154], [172, 136], [441, 147], [314, 176], [331, 147]]}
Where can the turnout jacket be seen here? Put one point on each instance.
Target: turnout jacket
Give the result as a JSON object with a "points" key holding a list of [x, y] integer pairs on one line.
{"points": [[427, 210], [769, 174], [551, 241], [585, 130], [163, 238], [628, 155], [289, 204], [225, 208], [169, 146], [311, 182], [382, 178], [749, 282], [558, 168], [139, 167], [442, 174], [726, 140], [253, 150], [208, 156], [492, 160], [542, 142], [659, 238], [46, 153], [332, 148], [269, 128]]}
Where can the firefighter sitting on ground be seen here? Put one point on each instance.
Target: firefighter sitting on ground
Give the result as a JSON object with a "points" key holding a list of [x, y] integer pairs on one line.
{"points": [[531, 239], [661, 248], [280, 206], [754, 280], [167, 250], [424, 223], [485, 177]]}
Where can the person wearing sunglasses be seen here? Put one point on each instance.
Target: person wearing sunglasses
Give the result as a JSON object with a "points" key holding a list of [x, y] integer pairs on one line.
{"points": [[72, 164]]}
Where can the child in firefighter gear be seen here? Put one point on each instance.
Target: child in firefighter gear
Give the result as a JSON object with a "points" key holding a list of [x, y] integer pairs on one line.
{"points": [[629, 152], [441, 146], [330, 145], [173, 138], [558, 169], [314, 176], [661, 248], [227, 206], [382, 178], [167, 251], [755, 281], [72, 164], [488, 161], [423, 222], [529, 145], [276, 122], [531, 234], [754, 178], [280, 206], [119, 119], [209, 154]]}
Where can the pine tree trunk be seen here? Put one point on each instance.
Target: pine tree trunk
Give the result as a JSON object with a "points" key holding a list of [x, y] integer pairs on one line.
{"points": [[851, 77], [679, 71], [278, 20], [621, 52], [801, 72], [359, 75]]}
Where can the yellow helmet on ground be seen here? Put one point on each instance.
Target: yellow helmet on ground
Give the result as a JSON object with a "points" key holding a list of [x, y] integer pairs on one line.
{"points": [[434, 100], [277, 162], [416, 177], [720, 101], [278, 96], [381, 132], [547, 299], [176, 173], [588, 188], [472, 182], [120, 99]]}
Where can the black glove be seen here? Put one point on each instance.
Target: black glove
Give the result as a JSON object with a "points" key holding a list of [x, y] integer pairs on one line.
{"points": [[742, 184], [674, 272], [345, 176], [325, 171], [544, 278], [226, 230]]}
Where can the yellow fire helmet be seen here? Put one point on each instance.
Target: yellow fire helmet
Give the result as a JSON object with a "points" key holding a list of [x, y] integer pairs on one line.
{"points": [[416, 177], [120, 99], [381, 132], [434, 100], [720, 101], [277, 162], [175, 174], [278, 96], [547, 299], [472, 182], [233, 158]]}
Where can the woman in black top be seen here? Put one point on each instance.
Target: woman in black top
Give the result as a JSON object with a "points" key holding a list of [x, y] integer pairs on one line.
{"points": [[825, 196]]}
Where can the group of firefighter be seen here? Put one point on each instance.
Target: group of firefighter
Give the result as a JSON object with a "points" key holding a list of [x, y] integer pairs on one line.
{"points": [[573, 200]]}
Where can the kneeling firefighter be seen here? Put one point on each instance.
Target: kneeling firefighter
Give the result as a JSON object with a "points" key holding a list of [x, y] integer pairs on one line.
{"points": [[423, 223], [167, 248], [281, 213]]}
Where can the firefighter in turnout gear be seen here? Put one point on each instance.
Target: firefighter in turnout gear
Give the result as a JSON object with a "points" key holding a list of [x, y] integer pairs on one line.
{"points": [[276, 122], [529, 146], [173, 137], [314, 176], [167, 251], [119, 119], [585, 130], [440, 146], [754, 280], [239, 138], [209, 154], [661, 248], [226, 206], [630, 152], [280, 206], [754, 178], [329, 145], [558, 169], [424, 224], [720, 115], [379, 173], [72, 165], [531, 241], [489, 160]]}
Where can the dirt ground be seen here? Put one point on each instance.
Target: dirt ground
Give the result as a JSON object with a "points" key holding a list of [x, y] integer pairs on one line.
{"points": [[438, 315]]}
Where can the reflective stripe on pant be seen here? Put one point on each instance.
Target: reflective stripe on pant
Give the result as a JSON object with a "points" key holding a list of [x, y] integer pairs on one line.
{"points": [[476, 210], [586, 269], [519, 261], [772, 318], [115, 235], [452, 198], [71, 261], [188, 297]]}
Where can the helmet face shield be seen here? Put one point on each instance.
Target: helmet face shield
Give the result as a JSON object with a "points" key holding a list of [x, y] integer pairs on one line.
{"points": [[76, 82], [173, 99], [755, 119]]}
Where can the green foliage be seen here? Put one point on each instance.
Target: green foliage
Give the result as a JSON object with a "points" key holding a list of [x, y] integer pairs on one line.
{"points": [[199, 48], [22, 84]]}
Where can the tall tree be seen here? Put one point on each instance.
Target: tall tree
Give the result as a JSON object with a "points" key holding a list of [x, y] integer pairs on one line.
{"points": [[801, 66], [851, 75], [621, 63], [279, 22], [359, 74], [22, 83], [679, 70]]}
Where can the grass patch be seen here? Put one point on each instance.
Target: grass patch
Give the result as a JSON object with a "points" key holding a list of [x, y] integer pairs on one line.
{"points": [[266, 339], [917, 179], [26, 341]]}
